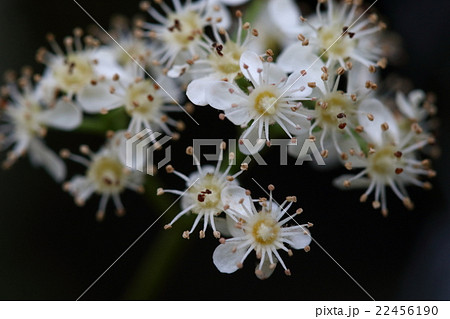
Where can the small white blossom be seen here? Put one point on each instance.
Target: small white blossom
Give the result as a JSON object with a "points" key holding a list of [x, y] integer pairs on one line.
{"points": [[209, 193], [179, 31], [143, 100], [106, 176], [272, 99], [264, 232], [333, 34], [26, 120], [390, 161], [221, 62], [73, 71]]}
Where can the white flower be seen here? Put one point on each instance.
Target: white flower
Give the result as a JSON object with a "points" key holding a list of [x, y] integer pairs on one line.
{"points": [[209, 193], [180, 30], [143, 100], [333, 34], [263, 232], [27, 119], [415, 107], [106, 176], [336, 112], [73, 71], [221, 62], [132, 44], [390, 160], [272, 99]]}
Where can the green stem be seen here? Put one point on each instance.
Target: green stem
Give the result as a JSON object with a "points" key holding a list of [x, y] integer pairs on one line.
{"points": [[163, 253]]}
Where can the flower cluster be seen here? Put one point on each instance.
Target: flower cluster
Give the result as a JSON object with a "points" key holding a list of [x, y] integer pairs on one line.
{"points": [[306, 77]]}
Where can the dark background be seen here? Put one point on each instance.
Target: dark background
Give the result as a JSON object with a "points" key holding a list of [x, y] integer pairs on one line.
{"points": [[50, 249]]}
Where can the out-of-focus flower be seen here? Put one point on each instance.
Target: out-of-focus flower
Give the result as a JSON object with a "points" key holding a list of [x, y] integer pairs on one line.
{"points": [[73, 71], [179, 31], [264, 232], [390, 161], [144, 100], [106, 176], [340, 35], [26, 120]]}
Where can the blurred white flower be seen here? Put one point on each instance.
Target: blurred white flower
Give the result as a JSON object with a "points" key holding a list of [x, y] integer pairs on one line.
{"points": [[264, 232], [341, 34], [209, 193], [106, 176], [179, 31], [144, 100], [26, 120], [390, 161], [73, 71]]}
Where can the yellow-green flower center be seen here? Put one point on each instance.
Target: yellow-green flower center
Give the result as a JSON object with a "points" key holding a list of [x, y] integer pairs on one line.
{"points": [[142, 99], [226, 60], [107, 174], [265, 229], [328, 38], [265, 100], [74, 74], [331, 108], [205, 193], [184, 28]]}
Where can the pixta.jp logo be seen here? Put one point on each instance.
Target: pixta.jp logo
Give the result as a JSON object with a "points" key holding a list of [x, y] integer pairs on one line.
{"points": [[140, 150]]}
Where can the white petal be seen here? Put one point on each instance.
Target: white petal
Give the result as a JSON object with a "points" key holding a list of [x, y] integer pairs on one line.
{"points": [[222, 13], [416, 97], [253, 62], [253, 144], [94, 98], [231, 226], [357, 78], [300, 238], [381, 115], [177, 70], [197, 91], [362, 182], [285, 15], [276, 76], [225, 259], [267, 271], [222, 226], [64, 116], [41, 155], [297, 86], [219, 95], [231, 195]]}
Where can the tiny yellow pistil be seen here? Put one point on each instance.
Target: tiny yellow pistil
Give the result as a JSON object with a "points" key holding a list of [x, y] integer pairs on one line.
{"points": [[265, 230], [226, 59], [328, 37], [383, 162], [331, 108], [265, 100], [142, 99], [184, 28], [74, 74], [107, 174]]}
